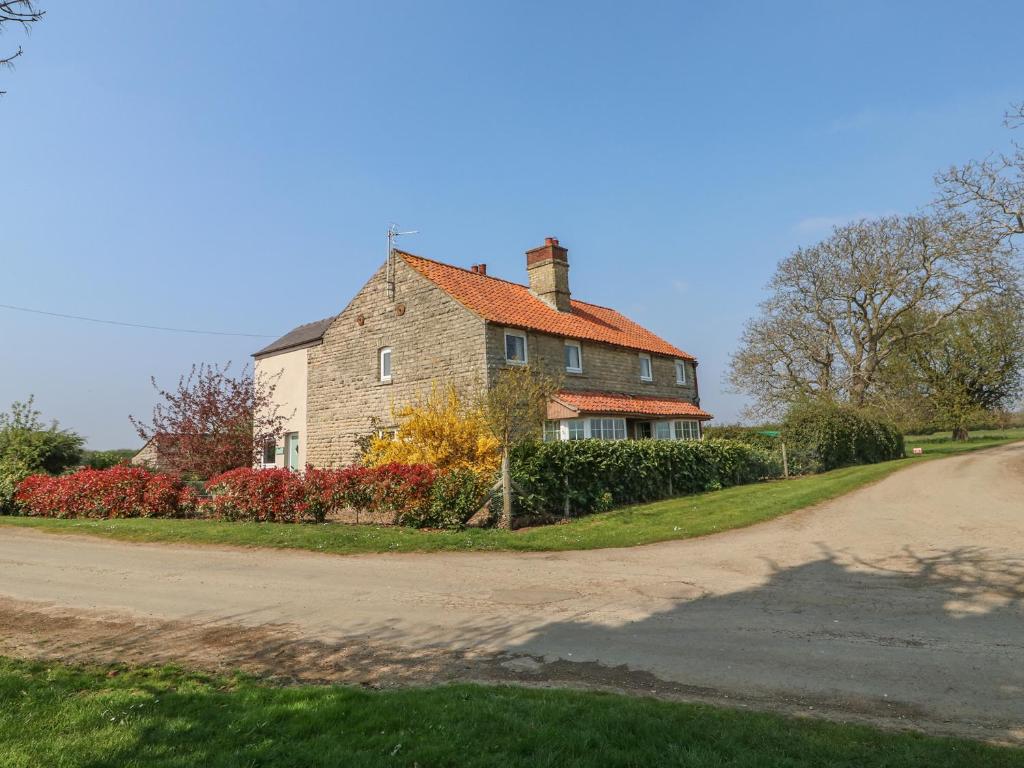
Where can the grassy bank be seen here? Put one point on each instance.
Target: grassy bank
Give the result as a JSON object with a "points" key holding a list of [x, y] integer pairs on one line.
{"points": [[678, 518], [52, 714]]}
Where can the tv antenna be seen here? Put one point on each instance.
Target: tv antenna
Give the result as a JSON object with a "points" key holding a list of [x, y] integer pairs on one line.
{"points": [[393, 232]]}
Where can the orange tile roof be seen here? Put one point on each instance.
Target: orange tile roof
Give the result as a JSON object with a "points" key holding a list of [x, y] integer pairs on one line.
{"points": [[639, 405], [512, 304]]}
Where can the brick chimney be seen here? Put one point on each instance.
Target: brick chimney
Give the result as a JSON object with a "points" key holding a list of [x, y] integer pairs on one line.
{"points": [[548, 270]]}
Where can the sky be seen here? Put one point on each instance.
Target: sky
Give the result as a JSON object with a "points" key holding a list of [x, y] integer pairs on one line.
{"points": [[234, 167]]}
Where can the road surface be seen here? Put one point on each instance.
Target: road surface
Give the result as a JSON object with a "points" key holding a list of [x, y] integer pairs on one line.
{"points": [[898, 604]]}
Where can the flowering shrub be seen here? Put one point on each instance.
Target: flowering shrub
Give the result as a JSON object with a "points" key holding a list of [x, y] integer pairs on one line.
{"points": [[440, 430], [260, 495], [120, 491]]}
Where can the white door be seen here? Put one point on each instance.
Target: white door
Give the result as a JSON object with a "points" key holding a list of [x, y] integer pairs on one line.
{"points": [[291, 450]]}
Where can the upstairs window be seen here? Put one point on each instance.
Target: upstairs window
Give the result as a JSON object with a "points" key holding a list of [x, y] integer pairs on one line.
{"points": [[385, 364], [645, 368], [515, 347], [573, 357], [680, 372]]}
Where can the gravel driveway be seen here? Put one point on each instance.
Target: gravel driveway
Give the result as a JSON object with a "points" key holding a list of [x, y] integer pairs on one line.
{"points": [[900, 604]]}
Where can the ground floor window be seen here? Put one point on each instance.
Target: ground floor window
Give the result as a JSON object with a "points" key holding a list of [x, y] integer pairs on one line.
{"points": [[608, 429], [552, 431], [663, 430], [270, 452], [576, 429], [687, 430]]}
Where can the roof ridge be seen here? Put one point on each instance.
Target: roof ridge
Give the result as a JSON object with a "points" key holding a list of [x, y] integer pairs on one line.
{"points": [[461, 269]]}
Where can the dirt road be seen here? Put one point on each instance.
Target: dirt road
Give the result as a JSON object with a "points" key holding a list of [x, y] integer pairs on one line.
{"points": [[902, 603]]}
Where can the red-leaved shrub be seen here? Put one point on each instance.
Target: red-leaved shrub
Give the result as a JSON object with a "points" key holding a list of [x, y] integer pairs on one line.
{"points": [[259, 495], [120, 491]]}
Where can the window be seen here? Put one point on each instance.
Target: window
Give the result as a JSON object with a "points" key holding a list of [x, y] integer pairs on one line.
{"points": [[680, 372], [663, 430], [515, 347], [270, 452], [608, 429], [577, 429], [687, 430], [385, 364], [552, 431], [573, 357], [645, 368], [642, 430]]}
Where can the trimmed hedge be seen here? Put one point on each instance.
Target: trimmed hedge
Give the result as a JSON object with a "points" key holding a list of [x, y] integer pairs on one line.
{"points": [[120, 491], [821, 436], [413, 495], [586, 476]]}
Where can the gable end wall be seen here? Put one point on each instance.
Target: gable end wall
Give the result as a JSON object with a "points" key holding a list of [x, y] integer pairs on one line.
{"points": [[436, 339]]}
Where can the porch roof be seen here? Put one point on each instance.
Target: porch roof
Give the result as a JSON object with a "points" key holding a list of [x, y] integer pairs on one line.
{"points": [[568, 404]]}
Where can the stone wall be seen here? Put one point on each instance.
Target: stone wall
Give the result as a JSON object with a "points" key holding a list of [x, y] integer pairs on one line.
{"points": [[432, 338], [605, 368]]}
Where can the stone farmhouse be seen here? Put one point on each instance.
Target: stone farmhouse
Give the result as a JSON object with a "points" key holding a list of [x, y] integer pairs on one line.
{"points": [[417, 321]]}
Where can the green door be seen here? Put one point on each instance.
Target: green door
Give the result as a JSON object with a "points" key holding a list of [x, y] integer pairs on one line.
{"points": [[292, 439]]}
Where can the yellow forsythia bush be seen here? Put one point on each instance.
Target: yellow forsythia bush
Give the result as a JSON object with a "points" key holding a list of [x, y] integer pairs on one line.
{"points": [[440, 430]]}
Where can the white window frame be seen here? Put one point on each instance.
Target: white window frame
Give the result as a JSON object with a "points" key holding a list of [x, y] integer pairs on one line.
{"points": [[681, 373], [526, 351], [552, 431], [668, 427], [579, 356], [381, 354], [584, 427], [650, 367]]}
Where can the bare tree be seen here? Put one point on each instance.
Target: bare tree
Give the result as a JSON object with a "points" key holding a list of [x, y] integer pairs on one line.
{"points": [[20, 12], [991, 189], [834, 315]]}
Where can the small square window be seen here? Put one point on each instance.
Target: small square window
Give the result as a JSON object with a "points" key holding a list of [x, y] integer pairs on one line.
{"points": [[385, 364], [552, 431], [645, 368], [515, 347], [680, 372], [663, 430], [573, 357]]}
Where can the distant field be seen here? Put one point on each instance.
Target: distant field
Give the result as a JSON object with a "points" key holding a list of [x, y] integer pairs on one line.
{"points": [[679, 518]]}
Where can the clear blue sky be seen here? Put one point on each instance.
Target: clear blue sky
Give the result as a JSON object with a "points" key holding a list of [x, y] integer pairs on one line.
{"points": [[234, 166]]}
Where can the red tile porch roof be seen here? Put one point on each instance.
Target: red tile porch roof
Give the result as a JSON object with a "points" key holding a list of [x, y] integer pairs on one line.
{"points": [[505, 303], [632, 405]]}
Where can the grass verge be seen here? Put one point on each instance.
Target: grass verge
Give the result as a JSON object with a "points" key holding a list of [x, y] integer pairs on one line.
{"points": [[679, 518], [52, 714]]}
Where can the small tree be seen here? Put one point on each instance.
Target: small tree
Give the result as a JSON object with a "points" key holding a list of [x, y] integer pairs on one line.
{"points": [[213, 421], [975, 365], [515, 407], [440, 430], [29, 446]]}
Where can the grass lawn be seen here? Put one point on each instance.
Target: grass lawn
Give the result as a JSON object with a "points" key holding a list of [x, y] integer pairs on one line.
{"points": [[52, 714], [678, 518]]}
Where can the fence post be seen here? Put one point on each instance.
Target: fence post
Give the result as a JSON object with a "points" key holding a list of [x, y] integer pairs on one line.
{"points": [[785, 462]]}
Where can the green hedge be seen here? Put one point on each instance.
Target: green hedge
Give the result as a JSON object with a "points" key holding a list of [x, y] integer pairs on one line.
{"points": [[824, 436], [595, 475]]}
